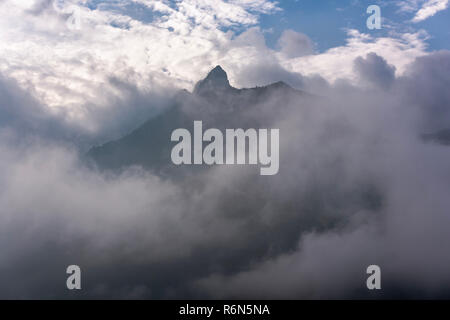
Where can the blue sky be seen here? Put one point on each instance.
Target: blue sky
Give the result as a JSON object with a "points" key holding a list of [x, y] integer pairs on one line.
{"points": [[325, 21]]}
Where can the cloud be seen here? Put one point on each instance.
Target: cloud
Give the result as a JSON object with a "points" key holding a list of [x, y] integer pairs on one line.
{"points": [[434, 100], [375, 70], [216, 13], [428, 9], [337, 63], [348, 194], [173, 45], [294, 44], [76, 71], [356, 186]]}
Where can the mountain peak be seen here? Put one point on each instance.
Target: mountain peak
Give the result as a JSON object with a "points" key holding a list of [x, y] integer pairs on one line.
{"points": [[217, 79], [217, 73]]}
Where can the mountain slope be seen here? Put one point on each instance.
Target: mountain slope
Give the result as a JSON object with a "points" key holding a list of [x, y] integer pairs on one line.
{"points": [[214, 101]]}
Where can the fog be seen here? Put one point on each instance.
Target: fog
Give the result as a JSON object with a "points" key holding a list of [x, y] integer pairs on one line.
{"points": [[357, 186]]}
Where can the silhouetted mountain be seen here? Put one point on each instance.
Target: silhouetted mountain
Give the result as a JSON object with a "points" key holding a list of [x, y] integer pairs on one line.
{"points": [[214, 101], [216, 80]]}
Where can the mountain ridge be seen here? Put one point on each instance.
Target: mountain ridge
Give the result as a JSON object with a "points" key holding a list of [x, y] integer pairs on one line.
{"points": [[213, 100]]}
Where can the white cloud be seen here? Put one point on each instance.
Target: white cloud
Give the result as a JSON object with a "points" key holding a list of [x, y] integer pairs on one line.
{"points": [[68, 68], [213, 13], [295, 44], [337, 63], [424, 9], [71, 69], [430, 8]]}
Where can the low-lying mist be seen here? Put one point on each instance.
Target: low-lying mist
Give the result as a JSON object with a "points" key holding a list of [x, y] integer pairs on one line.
{"points": [[357, 186]]}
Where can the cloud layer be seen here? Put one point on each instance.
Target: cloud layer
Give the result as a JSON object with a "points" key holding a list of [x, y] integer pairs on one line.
{"points": [[357, 184]]}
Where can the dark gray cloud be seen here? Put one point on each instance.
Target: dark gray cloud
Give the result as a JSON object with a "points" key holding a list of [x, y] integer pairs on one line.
{"points": [[424, 86], [21, 112], [356, 186], [375, 70]]}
